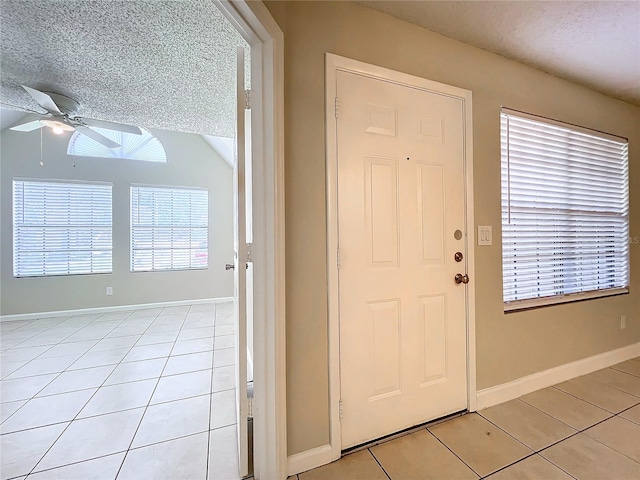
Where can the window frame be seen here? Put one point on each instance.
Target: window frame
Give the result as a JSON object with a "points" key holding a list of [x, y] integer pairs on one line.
{"points": [[90, 148], [16, 226], [132, 228], [622, 257]]}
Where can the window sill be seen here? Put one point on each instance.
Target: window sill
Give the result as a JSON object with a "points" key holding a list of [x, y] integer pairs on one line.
{"points": [[529, 304]]}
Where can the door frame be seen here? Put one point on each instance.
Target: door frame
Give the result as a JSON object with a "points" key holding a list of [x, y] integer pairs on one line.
{"points": [[334, 64], [254, 22]]}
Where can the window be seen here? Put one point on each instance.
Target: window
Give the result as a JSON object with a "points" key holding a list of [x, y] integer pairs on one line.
{"points": [[169, 228], [61, 228], [565, 212], [132, 147]]}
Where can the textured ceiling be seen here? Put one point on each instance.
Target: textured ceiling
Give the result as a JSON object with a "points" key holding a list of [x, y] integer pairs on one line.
{"points": [[594, 43], [166, 64]]}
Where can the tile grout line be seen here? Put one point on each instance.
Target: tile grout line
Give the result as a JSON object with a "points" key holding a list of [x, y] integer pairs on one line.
{"points": [[61, 342], [97, 389], [51, 346], [86, 403], [152, 394], [523, 459], [403, 433], [92, 323], [509, 465], [454, 453], [577, 431], [533, 451], [58, 374], [98, 340], [215, 313], [613, 367], [62, 320], [114, 365], [564, 423], [167, 441], [378, 462], [27, 322], [210, 412], [114, 453], [613, 386], [610, 447], [627, 409], [538, 452], [517, 439], [591, 403], [70, 335], [558, 466], [181, 437], [127, 381], [94, 416], [72, 463], [124, 410]]}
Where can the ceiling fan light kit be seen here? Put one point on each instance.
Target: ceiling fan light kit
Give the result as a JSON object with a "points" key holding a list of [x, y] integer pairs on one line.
{"points": [[57, 127], [62, 116]]}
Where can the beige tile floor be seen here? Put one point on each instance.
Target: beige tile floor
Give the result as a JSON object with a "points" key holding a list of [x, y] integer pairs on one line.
{"points": [[586, 428], [144, 394], [149, 394]]}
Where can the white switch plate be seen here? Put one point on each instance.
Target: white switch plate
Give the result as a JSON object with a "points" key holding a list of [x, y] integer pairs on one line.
{"points": [[109, 290], [485, 235]]}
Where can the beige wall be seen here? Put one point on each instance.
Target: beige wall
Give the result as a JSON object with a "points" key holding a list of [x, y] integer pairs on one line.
{"points": [[508, 346], [190, 162]]}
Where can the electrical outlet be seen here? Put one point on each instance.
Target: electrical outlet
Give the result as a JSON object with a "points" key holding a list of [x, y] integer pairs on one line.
{"points": [[623, 322], [109, 290]]}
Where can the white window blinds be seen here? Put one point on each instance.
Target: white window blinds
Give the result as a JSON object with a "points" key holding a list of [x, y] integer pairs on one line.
{"points": [[169, 228], [61, 228], [565, 212]]}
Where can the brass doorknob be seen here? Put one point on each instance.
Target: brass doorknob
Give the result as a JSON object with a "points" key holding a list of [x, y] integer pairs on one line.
{"points": [[460, 278]]}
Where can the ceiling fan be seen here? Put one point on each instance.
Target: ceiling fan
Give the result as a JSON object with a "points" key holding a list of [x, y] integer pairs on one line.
{"points": [[62, 117]]}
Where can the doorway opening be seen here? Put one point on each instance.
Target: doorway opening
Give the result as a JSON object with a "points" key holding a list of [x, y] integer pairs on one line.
{"points": [[257, 28]]}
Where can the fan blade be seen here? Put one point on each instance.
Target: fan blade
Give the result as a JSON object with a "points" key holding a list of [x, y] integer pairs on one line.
{"points": [[107, 142], [120, 127], [44, 100], [27, 126]]}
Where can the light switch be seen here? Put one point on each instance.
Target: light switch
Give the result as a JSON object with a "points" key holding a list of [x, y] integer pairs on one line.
{"points": [[485, 236]]}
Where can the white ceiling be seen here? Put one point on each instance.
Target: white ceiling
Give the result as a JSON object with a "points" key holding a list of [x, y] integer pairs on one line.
{"points": [[594, 43], [166, 64], [170, 64]]}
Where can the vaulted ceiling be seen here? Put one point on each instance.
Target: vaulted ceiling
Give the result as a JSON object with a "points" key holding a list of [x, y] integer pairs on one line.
{"points": [[153, 63], [594, 43]]}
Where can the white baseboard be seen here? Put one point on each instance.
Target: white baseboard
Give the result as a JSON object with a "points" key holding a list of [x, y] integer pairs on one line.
{"points": [[303, 461], [115, 308], [307, 460], [522, 386]]}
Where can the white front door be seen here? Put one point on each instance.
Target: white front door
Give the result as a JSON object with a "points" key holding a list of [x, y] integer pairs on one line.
{"points": [[240, 269], [401, 220]]}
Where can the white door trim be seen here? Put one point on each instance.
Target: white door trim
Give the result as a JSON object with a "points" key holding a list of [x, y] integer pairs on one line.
{"points": [[257, 26], [335, 63]]}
